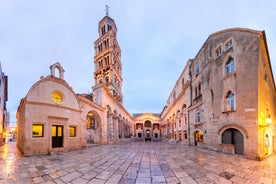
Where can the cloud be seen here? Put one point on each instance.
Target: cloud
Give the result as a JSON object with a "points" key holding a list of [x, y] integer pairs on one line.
{"points": [[156, 39]]}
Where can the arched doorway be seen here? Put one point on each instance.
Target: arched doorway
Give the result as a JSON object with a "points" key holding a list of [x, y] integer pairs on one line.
{"points": [[148, 130], [93, 127], [235, 137], [198, 136]]}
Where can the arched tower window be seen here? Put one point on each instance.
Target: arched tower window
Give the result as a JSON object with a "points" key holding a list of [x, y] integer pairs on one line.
{"points": [[230, 66], [230, 101]]}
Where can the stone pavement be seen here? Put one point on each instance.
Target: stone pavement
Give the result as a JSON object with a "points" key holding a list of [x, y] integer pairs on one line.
{"points": [[137, 162]]}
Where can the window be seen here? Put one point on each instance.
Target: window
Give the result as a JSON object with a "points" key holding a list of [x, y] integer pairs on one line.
{"points": [[179, 123], [218, 52], [37, 130], [230, 102], [57, 97], [197, 117], [199, 89], [72, 131], [228, 45], [197, 69], [230, 66], [174, 96], [91, 121]]}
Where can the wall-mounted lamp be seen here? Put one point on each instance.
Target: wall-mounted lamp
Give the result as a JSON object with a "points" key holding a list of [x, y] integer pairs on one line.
{"points": [[268, 120]]}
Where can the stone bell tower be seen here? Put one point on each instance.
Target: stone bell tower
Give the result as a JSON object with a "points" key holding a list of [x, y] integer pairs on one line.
{"points": [[107, 59]]}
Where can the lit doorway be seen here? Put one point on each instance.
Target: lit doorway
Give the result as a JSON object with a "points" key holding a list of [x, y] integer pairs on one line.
{"points": [[57, 136]]}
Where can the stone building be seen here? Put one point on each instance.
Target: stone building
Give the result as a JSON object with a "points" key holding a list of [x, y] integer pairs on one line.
{"points": [[224, 100], [146, 127], [174, 116], [53, 118], [4, 115], [232, 96], [49, 117]]}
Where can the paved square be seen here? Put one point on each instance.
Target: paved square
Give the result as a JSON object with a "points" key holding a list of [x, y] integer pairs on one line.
{"points": [[137, 162]]}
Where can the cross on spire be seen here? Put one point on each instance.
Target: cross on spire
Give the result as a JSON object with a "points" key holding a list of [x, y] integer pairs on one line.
{"points": [[106, 9]]}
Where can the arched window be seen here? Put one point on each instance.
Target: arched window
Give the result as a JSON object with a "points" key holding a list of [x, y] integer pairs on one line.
{"points": [[230, 66], [197, 117], [91, 121], [230, 102]]}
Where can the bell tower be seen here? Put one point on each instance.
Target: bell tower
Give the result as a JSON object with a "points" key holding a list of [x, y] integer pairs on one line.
{"points": [[107, 59]]}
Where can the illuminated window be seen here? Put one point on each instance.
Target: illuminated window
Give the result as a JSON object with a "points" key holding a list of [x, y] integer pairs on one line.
{"points": [[91, 121], [230, 66], [57, 97], [230, 102], [37, 130], [72, 131]]}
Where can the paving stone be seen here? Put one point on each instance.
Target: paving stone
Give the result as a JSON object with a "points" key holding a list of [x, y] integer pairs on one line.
{"points": [[180, 174], [79, 181], [115, 178], [188, 180], [104, 175], [143, 181], [172, 180], [136, 162], [158, 179], [70, 177], [96, 181]]}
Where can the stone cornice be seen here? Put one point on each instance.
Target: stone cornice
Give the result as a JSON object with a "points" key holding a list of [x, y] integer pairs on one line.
{"points": [[51, 105]]}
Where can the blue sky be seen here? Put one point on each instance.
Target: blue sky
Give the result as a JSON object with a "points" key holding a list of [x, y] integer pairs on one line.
{"points": [[156, 37]]}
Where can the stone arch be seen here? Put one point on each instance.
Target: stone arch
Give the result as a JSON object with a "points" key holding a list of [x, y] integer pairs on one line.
{"points": [[241, 129], [198, 136], [93, 127], [57, 66], [235, 138]]}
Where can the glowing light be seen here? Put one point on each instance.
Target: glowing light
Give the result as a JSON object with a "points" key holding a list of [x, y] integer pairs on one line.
{"points": [[268, 120]]}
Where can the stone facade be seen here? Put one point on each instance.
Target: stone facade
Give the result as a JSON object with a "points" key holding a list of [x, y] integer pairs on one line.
{"points": [[4, 115], [146, 127], [174, 116], [49, 117], [232, 93], [53, 118], [223, 100]]}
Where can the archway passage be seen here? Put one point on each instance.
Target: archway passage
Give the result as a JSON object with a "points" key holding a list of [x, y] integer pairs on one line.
{"points": [[235, 137], [198, 137], [93, 127]]}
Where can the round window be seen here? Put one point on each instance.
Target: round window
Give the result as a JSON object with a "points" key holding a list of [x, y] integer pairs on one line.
{"points": [[57, 97]]}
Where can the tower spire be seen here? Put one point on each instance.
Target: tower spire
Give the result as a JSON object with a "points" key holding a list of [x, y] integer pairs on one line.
{"points": [[106, 9]]}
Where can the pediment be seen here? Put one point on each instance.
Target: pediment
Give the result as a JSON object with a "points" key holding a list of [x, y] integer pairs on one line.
{"points": [[147, 117]]}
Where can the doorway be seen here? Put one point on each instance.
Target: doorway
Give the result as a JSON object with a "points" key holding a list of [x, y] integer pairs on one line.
{"points": [[57, 136], [198, 137], [233, 136]]}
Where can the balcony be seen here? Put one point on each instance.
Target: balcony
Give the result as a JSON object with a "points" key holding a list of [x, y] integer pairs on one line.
{"points": [[197, 99]]}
